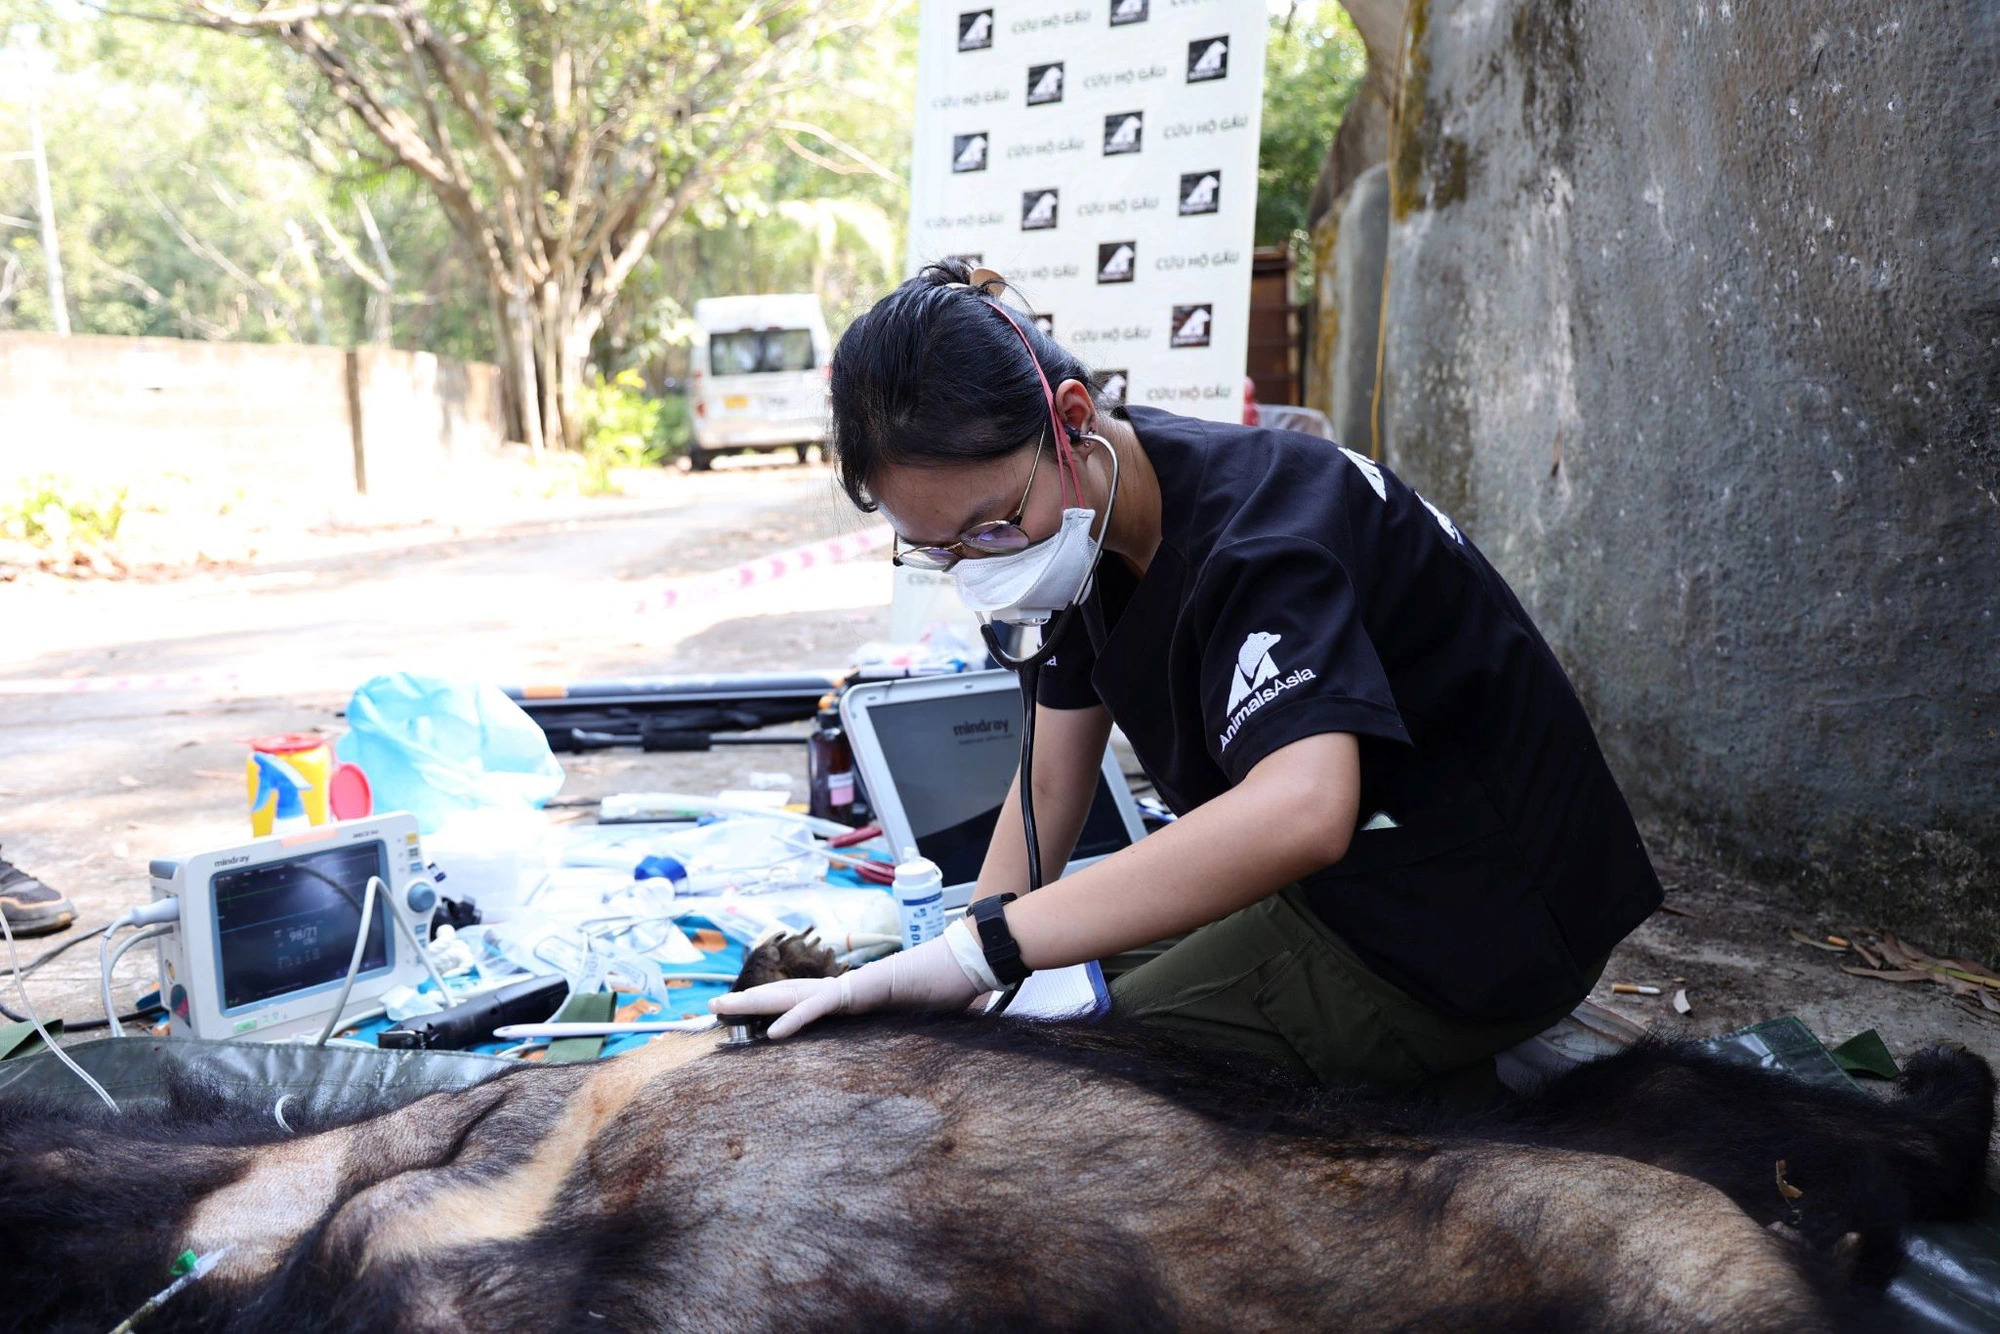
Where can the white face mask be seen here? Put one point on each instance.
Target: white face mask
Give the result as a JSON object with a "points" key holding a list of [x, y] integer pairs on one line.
{"points": [[1031, 586]]}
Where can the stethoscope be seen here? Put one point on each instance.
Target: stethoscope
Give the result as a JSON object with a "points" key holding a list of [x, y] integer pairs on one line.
{"points": [[1027, 669]]}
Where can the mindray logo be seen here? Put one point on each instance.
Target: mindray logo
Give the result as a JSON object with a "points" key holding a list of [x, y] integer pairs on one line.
{"points": [[1255, 681]]}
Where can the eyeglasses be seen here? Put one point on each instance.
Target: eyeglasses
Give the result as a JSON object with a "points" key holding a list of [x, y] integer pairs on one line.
{"points": [[995, 537]]}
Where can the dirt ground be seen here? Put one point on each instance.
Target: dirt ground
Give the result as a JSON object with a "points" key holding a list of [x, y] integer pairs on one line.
{"points": [[94, 785]]}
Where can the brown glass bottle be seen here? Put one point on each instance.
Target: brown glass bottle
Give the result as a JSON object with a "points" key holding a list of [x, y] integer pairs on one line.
{"points": [[830, 768]]}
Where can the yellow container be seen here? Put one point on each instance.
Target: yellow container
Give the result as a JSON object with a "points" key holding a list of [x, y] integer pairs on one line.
{"points": [[311, 756]]}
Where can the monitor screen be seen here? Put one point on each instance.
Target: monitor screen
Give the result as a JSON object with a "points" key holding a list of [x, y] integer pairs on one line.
{"points": [[287, 926], [952, 759]]}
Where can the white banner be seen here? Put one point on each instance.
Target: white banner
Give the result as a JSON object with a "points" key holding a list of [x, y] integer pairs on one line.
{"points": [[1102, 157]]}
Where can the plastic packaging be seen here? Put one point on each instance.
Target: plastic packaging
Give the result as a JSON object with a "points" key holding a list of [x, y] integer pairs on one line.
{"points": [[451, 955], [544, 944], [741, 854], [432, 746], [402, 1003], [919, 890], [493, 857]]}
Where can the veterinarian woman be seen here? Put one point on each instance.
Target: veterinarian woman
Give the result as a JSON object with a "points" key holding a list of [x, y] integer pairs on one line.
{"points": [[1399, 850]]}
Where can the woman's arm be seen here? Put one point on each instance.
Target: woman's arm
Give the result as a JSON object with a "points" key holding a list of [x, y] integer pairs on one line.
{"points": [[1069, 747], [1292, 814]]}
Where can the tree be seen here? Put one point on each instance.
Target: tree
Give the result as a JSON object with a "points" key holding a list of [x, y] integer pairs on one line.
{"points": [[559, 140], [1313, 65]]}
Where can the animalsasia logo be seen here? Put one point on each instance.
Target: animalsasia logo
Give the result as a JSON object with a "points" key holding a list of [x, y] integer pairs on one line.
{"points": [[1038, 210], [1123, 132], [1369, 469], [1129, 11], [975, 30], [1047, 324], [1114, 385], [1255, 682], [1201, 192], [1208, 58], [1116, 261], [971, 261], [1045, 84], [1192, 325], [968, 152], [1450, 528]]}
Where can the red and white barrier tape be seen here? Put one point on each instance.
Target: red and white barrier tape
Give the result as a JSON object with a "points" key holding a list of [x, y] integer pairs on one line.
{"points": [[763, 570], [674, 594], [112, 685]]}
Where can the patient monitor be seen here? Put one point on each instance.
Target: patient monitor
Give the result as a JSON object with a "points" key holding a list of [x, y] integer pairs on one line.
{"points": [[266, 930]]}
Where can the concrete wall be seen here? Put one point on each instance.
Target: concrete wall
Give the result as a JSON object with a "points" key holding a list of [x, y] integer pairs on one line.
{"points": [[279, 419], [1693, 321]]}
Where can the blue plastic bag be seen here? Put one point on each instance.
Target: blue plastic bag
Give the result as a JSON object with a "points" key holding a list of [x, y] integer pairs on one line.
{"points": [[434, 747]]}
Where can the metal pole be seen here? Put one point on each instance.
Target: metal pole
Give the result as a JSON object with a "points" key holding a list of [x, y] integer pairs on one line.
{"points": [[46, 206]]}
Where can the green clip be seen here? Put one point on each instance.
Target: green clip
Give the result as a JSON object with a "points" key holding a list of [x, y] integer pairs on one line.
{"points": [[184, 1263]]}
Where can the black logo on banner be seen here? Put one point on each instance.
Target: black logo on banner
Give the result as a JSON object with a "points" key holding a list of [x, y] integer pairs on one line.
{"points": [[968, 152], [1113, 385], [970, 261], [1208, 59], [1047, 324], [1129, 11], [1117, 261], [975, 30], [1191, 325], [1038, 210], [1045, 84], [1123, 131], [1201, 192]]}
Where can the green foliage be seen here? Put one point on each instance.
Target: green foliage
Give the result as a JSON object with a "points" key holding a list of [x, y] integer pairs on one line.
{"points": [[199, 193], [797, 214], [621, 425], [50, 512], [1313, 66]]}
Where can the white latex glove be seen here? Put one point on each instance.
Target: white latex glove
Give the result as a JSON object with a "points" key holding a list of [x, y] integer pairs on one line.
{"points": [[939, 974]]}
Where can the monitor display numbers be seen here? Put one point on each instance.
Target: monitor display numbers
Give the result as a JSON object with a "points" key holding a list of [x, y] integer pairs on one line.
{"points": [[290, 926]]}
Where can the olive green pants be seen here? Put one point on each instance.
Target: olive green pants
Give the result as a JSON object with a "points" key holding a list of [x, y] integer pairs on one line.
{"points": [[1273, 981]]}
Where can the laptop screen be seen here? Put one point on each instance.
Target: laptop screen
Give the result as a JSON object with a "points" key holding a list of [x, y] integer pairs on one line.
{"points": [[952, 759]]}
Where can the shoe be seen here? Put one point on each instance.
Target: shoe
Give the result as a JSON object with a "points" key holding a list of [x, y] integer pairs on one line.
{"points": [[31, 907]]}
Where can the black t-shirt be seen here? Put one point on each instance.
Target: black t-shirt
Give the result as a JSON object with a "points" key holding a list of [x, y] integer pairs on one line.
{"points": [[1300, 588]]}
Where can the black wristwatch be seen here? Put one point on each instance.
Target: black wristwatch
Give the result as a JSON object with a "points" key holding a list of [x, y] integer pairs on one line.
{"points": [[1003, 954]]}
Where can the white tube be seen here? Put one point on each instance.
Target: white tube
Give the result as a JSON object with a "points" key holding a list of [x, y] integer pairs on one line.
{"points": [[135, 938], [375, 886], [610, 1028], [28, 1003]]}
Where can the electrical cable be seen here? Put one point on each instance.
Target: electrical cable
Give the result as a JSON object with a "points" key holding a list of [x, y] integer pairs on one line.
{"points": [[375, 885], [44, 957], [21, 982], [110, 966], [49, 954], [104, 974]]}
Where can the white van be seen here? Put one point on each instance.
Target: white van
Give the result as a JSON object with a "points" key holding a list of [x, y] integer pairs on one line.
{"points": [[760, 370]]}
